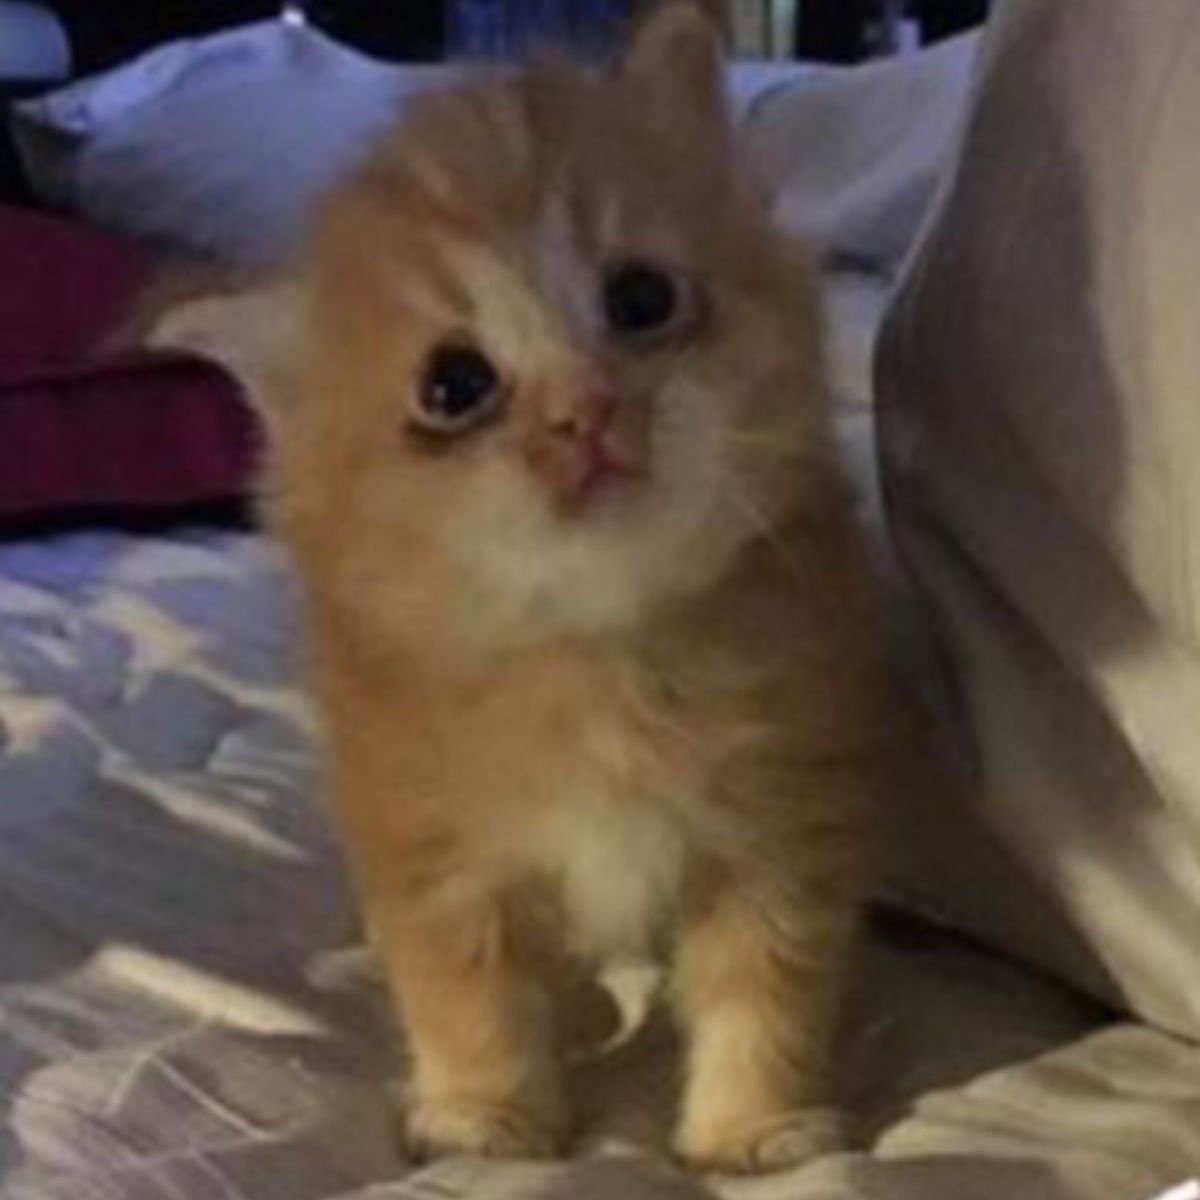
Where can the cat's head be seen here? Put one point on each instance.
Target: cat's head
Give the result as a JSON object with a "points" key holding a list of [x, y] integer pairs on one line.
{"points": [[544, 368]]}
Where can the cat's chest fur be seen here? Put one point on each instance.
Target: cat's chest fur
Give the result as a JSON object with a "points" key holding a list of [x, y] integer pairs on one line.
{"points": [[613, 833], [615, 868]]}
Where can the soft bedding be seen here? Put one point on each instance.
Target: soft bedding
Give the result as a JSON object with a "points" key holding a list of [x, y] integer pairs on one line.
{"points": [[1039, 437], [186, 1012], [170, 146], [85, 426]]}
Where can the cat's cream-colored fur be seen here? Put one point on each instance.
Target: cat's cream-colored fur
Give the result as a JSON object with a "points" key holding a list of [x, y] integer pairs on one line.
{"points": [[636, 726]]}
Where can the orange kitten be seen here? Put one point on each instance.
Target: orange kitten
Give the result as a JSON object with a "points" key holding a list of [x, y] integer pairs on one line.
{"points": [[549, 452]]}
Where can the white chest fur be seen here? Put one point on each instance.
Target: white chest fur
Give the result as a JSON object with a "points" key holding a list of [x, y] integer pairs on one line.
{"points": [[616, 863]]}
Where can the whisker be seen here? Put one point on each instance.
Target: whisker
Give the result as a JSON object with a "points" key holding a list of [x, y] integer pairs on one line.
{"points": [[761, 445], [761, 525], [751, 442], [757, 436]]}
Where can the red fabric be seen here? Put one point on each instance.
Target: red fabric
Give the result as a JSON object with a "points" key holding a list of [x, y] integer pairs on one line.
{"points": [[83, 428]]}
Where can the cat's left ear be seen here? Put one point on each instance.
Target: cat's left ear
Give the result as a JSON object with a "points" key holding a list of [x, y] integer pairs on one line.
{"points": [[246, 331], [676, 49]]}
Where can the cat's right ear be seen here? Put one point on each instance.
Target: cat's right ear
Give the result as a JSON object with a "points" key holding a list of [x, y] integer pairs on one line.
{"points": [[676, 48], [247, 332]]}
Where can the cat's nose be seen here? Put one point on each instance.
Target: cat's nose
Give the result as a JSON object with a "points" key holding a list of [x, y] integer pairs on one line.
{"points": [[586, 417], [585, 447]]}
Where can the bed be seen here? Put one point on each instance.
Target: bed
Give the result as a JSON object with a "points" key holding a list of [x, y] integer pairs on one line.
{"points": [[186, 1008], [186, 1011]]}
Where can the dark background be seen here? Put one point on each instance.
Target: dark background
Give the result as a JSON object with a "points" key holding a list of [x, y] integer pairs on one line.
{"points": [[105, 33]]}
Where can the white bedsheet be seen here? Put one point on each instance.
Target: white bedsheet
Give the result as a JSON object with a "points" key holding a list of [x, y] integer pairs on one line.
{"points": [[178, 1017], [183, 1010]]}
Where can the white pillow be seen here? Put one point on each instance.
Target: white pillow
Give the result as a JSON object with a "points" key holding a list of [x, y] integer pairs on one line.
{"points": [[220, 144], [850, 156], [33, 43], [1040, 438]]}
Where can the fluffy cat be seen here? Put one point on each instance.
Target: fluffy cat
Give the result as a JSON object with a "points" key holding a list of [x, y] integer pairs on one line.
{"points": [[587, 623]]}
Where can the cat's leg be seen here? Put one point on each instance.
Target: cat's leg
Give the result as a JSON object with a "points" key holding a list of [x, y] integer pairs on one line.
{"points": [[757, 982], [480, 1031]]}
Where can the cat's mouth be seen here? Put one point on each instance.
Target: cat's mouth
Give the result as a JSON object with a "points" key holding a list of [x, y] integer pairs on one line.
{"points": [[583, 466], [594, 474]]}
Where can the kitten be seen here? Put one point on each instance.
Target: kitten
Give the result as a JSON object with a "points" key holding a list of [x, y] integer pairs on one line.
{"points": [[548, 449]]}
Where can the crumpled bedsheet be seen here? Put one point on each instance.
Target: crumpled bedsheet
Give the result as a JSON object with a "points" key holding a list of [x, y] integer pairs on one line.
{"points": [[185, 1012]]}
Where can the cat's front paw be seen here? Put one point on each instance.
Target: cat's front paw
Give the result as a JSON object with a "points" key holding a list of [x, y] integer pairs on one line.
{"points": [[769, 1144], [466, 1125]]}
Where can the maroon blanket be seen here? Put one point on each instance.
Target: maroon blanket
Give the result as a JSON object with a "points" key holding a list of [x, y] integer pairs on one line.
{"points": [[82, 427]]}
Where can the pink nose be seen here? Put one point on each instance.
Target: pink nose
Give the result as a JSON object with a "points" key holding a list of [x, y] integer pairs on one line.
{"points": [[589, 415], [578, 449]]}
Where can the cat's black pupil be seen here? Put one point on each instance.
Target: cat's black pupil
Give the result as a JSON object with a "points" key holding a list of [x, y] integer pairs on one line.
{"points": [[459, 381], [639, 298]]}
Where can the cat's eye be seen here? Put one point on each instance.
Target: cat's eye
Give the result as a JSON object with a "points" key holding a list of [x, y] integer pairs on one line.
{"points": [[459, 389], [644, 302]]}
